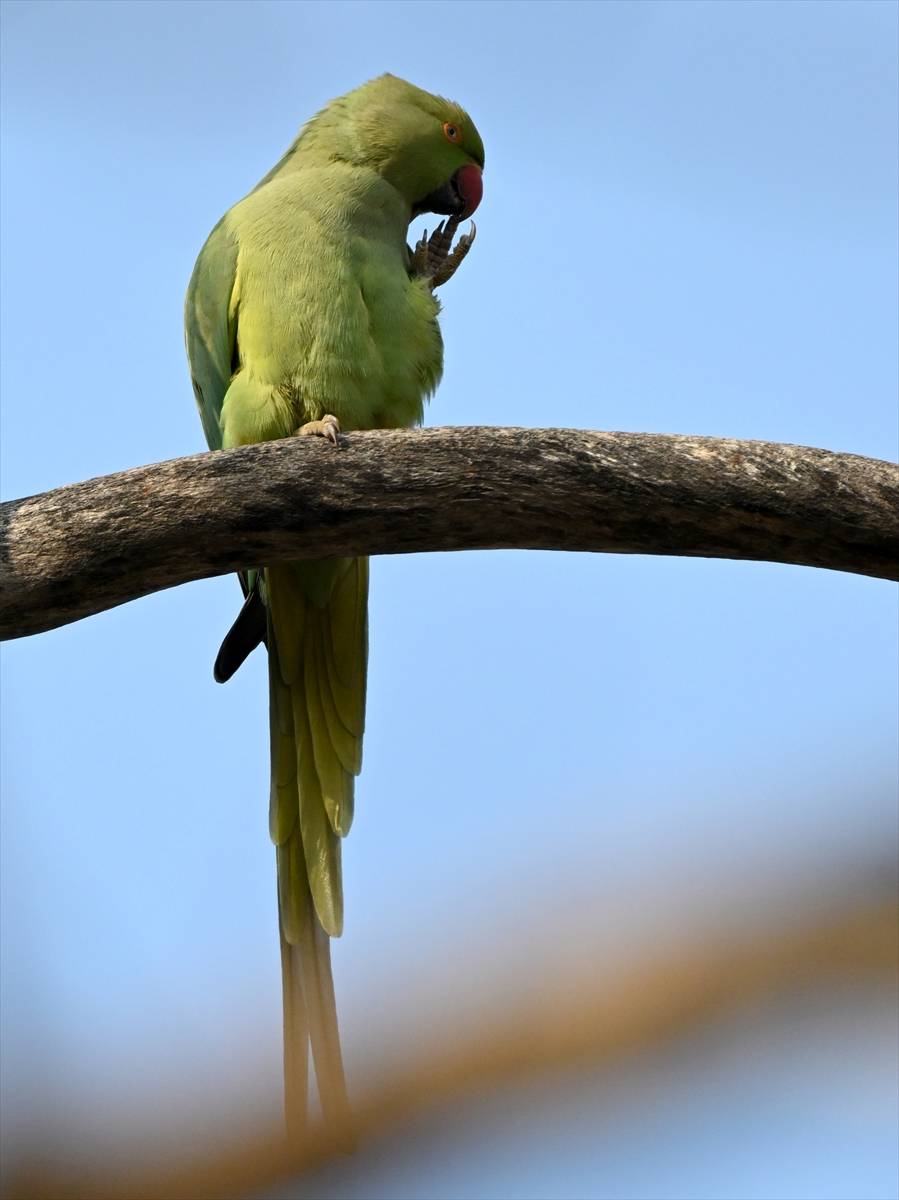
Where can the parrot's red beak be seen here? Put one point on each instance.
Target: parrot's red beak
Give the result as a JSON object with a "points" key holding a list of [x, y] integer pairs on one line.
{"points": [[458, 197], [469, 183]]}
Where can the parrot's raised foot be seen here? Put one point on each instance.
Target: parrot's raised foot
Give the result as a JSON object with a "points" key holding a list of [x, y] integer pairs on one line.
{"points": [[434, 259], [328, 427]]}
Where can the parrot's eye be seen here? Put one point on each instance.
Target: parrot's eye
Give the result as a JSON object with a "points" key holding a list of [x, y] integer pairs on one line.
{"points": [[452, 132]]}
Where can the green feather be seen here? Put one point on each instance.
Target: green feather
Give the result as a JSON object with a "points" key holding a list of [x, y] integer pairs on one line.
{"points": [[210, 327]]}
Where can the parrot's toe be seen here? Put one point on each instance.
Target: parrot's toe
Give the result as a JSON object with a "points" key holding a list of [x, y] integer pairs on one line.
{"points": [[328, 427], [450, 265], [434, 258]]}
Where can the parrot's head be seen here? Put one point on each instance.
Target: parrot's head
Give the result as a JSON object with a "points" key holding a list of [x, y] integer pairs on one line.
{"points": [[426, 147]]}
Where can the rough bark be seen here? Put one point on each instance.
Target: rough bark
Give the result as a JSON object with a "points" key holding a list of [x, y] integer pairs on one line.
{"points": [[84, 548]]}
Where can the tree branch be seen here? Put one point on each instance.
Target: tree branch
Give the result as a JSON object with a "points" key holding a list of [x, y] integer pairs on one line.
{"points": [[84, 548], [593, 1020]]}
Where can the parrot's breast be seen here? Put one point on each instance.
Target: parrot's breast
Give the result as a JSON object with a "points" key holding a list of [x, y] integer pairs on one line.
{"points": [[328, 317]]}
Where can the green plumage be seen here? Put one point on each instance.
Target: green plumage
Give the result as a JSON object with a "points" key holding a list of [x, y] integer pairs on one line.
{"points": [[302, 303]]}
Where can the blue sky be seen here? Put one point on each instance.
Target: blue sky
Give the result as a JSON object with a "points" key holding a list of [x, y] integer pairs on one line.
{"points": [[688, 226]]}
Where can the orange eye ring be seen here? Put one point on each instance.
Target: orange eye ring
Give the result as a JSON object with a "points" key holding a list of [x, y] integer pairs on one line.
{"points": [[452, 132]]}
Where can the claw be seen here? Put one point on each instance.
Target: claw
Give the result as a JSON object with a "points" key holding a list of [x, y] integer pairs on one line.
{"points": [[441, 241], [448, 268], [420, 256], [434, 259], [328, 427]]}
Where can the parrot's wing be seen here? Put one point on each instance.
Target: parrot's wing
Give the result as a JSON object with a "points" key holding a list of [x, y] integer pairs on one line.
{"points": [[210, 327], [210, 334]]}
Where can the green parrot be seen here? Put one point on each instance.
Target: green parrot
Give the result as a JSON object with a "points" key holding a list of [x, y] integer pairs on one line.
{"points": [[308, 313]]}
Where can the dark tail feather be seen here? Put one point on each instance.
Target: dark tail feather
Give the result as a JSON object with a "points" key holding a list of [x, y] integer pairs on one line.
{"points": [[247, 632]]}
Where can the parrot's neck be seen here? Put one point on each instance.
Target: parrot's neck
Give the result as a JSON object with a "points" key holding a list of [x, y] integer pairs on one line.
{"points": [[344, 194]]}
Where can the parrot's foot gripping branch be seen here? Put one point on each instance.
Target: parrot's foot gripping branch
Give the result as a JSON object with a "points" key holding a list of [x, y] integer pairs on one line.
{"points": [[328, 427], [434, 260]]}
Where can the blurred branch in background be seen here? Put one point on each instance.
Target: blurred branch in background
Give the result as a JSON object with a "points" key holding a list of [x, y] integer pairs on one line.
{"points": [[85, 548], [593, 1017]]}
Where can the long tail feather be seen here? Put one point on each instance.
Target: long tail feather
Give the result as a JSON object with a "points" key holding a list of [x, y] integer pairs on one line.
{"points": [[296, 1043], [310, 1020], [317, 716]]}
